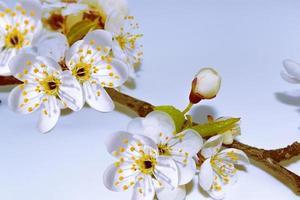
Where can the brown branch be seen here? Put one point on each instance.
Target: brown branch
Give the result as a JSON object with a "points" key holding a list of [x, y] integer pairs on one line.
{"points": [[267, 159], [9, 80]]}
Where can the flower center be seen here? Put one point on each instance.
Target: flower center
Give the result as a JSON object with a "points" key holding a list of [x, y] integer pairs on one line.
{"points": [[14, 39], [164, 150], [51, 85], [82, 71], [55, 21], [146, 164]]}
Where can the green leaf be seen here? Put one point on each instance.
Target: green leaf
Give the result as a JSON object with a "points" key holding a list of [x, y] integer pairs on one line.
{"points": [[216, 127], [177, 115], [79, 30]]}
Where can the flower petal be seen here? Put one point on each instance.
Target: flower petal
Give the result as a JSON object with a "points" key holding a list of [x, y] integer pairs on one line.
{"points": [[166, 172], [52, 44], [126, 140], [186, 171], [157, 125], [120, 177], [189, 141], [115, 6], [97, 97], [24, 99], [234, 156], [70, 91], [285, 76], [206, 175], [72, 53], [115, 22], [98, 38], [49, 115], [5, 57], [292, 68], [73, 8], [32, 8], [212, 146], [144, 189], [178, 193], [217, 192], [112, 74]]}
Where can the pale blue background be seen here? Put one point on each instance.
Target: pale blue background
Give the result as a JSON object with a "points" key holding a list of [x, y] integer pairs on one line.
{"points": [[246, 40]]}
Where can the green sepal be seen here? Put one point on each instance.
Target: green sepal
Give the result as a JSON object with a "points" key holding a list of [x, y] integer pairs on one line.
{"points": [[175, 114], [79, 30], [215, 127]]}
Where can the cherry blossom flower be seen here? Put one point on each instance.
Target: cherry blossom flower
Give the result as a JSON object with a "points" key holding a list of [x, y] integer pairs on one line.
{"points": [[141, 168], [91, 63], [126, 39], [18, 28], [218, 168], [291, 71], [46, 88], [180, 147]]}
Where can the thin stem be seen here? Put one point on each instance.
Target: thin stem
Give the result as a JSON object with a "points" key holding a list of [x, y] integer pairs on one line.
{"points": [[188, 108]]}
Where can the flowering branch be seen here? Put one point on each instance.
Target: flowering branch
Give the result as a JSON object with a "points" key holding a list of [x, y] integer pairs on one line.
{"points": [[267, 159]]}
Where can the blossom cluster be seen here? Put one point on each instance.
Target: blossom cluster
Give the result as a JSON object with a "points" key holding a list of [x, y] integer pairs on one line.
{"points": [[62, 64], [154, 160]]}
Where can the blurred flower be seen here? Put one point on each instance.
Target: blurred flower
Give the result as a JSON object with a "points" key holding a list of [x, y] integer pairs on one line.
{"points": [[124, 30], [218, 168], [141, 168], [291, 71], [90, 62], [62, 15], [45, 87], [19, 27], [206, 85], [180, 147]]}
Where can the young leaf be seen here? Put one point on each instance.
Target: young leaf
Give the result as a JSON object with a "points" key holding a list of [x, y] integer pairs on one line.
{"points": [[177, 115], [79, 30], [215, 127]]}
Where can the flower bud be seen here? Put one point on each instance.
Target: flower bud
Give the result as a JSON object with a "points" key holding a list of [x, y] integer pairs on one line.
{"points": [[206, 85]]}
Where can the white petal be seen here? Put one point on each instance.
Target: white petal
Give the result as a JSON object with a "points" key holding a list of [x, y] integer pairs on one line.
{"points": [[114, 6], [166, 172], [33, 9], [70, 91], [144, 189], [117, 75], [73, 9], [157, 125], [53, 45], [186, 172], [51, 65], [19, 63], [97, 97], [5, 57], [212, 146], [72, 53], [234, 156], [178, 193], [206, 175], [292, 68], [98, 38], [24, 103], [219, 193], [115, 21], [111, 177], [285, 76], [189, 141], [49, 115], [123, 139]]}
